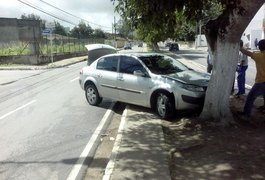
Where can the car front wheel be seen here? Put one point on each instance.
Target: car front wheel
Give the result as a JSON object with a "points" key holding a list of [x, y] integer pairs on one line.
{"points": [[92, 95], [164, 106]]}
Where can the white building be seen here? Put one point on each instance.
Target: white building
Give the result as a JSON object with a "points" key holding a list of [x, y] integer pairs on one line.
{"points": [[255, 29]]}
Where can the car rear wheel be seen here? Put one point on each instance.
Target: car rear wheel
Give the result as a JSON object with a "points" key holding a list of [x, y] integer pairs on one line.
{"points": [[164, 106], [92, 95]]}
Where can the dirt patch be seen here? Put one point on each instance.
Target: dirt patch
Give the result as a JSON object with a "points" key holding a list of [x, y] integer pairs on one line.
{"points": [[200, 151]]}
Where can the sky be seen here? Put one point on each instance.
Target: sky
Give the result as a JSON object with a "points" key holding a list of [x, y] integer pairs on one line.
{"points": [[97, 13]]}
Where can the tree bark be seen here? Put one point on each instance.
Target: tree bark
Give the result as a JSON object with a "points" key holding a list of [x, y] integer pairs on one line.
{"points": [[223, 36], [216, 105]]}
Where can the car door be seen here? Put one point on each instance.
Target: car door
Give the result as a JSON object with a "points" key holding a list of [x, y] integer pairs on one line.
{"points": [[106, 76], [133, 88]]}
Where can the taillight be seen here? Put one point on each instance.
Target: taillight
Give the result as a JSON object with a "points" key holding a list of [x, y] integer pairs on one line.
{"points": [[81, 72]]}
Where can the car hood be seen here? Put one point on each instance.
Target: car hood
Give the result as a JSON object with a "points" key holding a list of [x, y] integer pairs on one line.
{"points": [[190, 77]]}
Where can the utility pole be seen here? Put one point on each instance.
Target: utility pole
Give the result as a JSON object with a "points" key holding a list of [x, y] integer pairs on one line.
{"points": [[115, 32]]}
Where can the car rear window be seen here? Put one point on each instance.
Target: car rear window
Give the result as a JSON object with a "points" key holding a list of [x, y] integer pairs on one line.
{"points": [[108, 63]]}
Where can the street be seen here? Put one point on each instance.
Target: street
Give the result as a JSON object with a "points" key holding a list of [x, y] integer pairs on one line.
{"points": [[45, 123]]}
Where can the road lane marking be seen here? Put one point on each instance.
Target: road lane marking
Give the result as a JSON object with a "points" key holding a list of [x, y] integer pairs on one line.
{"points": [[74, 79], [95, 137], [17, 109]]}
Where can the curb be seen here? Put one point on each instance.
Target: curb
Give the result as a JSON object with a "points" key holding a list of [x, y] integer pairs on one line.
{"points": [[49, 66], [91, 147], [111, 164]]}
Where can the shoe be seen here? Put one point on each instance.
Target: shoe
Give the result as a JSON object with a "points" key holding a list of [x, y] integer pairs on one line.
{"points": [[238, 94], [243, 117]]}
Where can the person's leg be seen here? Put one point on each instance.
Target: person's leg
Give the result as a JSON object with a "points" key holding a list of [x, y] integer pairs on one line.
{"points": [[209, 68], [256, 90], [244, 69], [233, 85], [264, 100], [241, 80]]}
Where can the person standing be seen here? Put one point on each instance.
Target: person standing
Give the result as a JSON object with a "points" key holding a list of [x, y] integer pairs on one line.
{"points": [[258, 88], [241, 71], [256, 43]]}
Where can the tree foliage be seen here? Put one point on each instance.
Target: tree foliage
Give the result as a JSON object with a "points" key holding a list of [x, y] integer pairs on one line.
{"points": [[158, 20], [33, 17], [82, 31], [124, 28], [98, 33], [59, 29], [30, 17]]}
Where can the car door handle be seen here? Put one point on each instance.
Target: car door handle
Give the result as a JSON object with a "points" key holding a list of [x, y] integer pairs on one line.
{"points": [[120, 78]]}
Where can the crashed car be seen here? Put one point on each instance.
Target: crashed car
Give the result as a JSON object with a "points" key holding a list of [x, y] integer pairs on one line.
{"points": [[147, 79]]}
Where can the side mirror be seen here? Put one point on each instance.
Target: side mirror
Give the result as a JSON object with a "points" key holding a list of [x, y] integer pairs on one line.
{"points": [[139, 73]]}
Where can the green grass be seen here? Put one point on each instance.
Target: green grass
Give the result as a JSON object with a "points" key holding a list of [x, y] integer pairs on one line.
{"points": [[23, 49]]}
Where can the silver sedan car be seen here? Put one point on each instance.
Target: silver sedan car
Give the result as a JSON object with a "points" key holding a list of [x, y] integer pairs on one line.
{"points": [[147, 79]]}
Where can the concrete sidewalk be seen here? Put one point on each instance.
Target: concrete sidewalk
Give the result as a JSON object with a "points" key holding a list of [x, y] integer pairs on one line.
{"points": [[139, 151], [56, 64]]}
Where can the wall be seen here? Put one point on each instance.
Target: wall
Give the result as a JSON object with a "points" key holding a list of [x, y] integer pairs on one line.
{"points": [[37, 60]]}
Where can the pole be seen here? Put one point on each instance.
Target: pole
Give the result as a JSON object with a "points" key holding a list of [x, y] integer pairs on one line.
{"points": [[51, 47], [115, 32], [200, 32]]}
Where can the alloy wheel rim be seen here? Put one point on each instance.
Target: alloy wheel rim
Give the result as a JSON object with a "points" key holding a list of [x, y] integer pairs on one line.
{"points": [[161, 107], [91, 95]]}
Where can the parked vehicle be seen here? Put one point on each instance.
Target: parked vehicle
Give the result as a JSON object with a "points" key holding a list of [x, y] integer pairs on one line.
{"points": [[127, 46], [147, 79], [167, 44], [174, 47], [140, 44]]}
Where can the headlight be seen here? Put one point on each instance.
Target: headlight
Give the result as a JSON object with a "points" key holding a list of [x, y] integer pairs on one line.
{"points": [[193, 88]]}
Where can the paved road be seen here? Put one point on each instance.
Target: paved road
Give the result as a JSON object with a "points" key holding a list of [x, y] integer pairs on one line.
{"points": [[45, 123]]}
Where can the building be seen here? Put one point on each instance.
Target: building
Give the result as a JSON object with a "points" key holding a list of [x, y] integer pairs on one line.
{"points": [[255, 29]]}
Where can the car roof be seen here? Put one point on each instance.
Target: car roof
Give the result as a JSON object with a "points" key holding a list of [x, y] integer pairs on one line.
{"points": [[136, 54]]}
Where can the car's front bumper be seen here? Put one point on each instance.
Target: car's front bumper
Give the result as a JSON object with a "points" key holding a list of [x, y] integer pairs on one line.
{"points": [[193, 100]]}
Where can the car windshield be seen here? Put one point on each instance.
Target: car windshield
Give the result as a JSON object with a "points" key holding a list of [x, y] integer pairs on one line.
{"points": [[158, 64]]}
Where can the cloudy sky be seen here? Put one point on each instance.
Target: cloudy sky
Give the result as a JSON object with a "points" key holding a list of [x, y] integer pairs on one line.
{"points": [[99, 13]]}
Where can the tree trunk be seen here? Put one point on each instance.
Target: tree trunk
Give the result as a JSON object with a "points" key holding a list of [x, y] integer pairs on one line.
{"points": [[223, 36], [153, 46], [216, 105]]}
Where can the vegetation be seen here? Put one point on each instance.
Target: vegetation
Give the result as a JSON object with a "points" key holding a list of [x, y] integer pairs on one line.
{"points": [[45, 49]]}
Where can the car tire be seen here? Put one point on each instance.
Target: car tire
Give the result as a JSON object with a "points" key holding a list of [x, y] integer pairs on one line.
{"points": [[164, 105], [92, 95]]}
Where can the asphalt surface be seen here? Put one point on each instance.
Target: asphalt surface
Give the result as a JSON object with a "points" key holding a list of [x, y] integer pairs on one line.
{"points": [[136, 144]]}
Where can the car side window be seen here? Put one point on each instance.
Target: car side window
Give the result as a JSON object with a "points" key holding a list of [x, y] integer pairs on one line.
{"points": [[128, 65], [108, 63]]}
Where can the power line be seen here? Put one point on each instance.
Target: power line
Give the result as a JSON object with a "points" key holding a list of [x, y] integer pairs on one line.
{"points": [[71, 14], [50, 14]]}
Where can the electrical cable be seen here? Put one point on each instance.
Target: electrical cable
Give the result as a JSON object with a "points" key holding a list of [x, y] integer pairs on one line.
{"points": [[48, 13], [72, 14]]}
